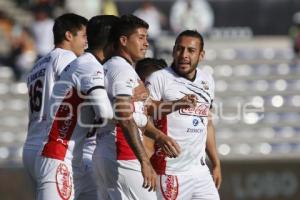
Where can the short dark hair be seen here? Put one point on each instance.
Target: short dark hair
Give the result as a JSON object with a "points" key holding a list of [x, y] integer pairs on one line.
{"points": [[149, 64], [126, 26], [98, 30], [191, 33], [67, 22]]}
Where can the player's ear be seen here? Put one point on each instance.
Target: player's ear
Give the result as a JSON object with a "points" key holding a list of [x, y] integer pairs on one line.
{"points": [[68, 35], [202, 54], [173, 52], [123, 40]]}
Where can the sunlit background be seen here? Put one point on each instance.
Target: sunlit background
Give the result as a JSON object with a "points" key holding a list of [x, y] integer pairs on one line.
{"points": [[250, 51]]}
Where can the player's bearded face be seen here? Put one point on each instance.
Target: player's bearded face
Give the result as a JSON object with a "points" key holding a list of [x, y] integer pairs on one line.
{"points": [[187, 54], [137, 44], [79, 41]]}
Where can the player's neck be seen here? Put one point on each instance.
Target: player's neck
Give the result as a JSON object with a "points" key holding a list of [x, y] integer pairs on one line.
{"points": [[122, 53], [191, 76], [99, 54], [64, 45]]}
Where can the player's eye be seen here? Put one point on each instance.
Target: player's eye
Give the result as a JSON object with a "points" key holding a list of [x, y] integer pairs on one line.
{"points": [[191, 50]]}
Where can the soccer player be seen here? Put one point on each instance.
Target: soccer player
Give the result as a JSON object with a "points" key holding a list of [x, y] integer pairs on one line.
{"points": [[112, 158], [70, 41], [187, 176], [120, 153], [98, 30], [144, 69], [78, 97]]}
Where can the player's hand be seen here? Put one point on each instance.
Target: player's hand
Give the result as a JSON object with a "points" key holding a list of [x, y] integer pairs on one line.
{"points": [[140, 93], [188, 101], [149, 176], [217, 176], [168, 145]]}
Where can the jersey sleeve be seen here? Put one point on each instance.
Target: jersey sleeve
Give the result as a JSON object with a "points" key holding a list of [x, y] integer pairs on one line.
{"points": [[155, 84], [124, 82], [92, 78], [212, 90], [101, 104]]}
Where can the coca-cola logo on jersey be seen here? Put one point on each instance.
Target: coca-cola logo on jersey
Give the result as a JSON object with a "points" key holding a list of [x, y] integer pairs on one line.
{"points": [[200, 110], [63, 181]]}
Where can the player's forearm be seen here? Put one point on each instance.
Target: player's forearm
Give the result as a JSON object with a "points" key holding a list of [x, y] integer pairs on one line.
{"points": [[213, 156], [151, 131], [123, 113], [132, 136], [149, 145], [211, 149]]}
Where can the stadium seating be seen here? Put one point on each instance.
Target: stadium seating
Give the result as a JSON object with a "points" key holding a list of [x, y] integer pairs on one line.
{"points": [[257, 101]]}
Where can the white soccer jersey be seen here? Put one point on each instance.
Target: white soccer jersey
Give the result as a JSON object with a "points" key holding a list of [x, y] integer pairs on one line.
{"points": [[113, 158], [187, 126], [120, 79], [40, 83], [72, 112]]}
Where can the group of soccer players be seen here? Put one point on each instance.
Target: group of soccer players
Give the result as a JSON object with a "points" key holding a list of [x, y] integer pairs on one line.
{"points": [[107, 124]]}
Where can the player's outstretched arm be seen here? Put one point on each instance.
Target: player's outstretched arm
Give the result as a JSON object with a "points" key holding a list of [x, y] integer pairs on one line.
{"points": [[211, 151], [158, 109], [123, 114]]}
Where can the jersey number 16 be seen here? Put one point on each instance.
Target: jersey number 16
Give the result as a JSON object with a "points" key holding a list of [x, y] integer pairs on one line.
{"points": [[35, 96]]}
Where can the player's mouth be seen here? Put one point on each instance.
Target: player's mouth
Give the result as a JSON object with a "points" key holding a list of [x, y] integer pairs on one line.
{"points": [[184, 64]]}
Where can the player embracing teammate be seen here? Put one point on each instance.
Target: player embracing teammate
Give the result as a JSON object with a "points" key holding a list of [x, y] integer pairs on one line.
{"points": [[101, 90]]}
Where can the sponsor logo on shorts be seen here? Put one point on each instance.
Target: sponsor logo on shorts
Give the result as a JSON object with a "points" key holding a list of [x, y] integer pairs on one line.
{"points": [[200, 110], [169, 187], [63, 181]]}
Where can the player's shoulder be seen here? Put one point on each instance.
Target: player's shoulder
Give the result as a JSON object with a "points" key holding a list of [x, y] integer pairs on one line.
{"points": [[61, 58], [41, 63], [117, 63], [117, 66], [85, 65], [59, 53], [164, 73], [204, 75], [88, 61]]}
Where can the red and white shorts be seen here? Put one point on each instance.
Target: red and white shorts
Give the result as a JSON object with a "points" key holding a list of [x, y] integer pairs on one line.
{"points": [[54, 179], [187, 187], [119, 183]]}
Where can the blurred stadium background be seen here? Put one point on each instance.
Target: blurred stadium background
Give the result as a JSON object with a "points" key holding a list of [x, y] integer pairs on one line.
{"points": [[257, 108]]}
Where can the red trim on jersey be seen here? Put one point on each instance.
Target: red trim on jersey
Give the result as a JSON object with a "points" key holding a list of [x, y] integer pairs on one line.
{"points": [[124, 151], [158, 159], [62, 129]]}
